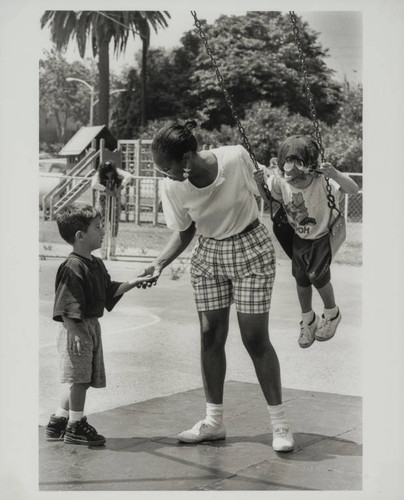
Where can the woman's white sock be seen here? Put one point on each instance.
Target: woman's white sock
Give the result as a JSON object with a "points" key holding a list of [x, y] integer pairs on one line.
{"points": [[214, 414], [277, 414]]}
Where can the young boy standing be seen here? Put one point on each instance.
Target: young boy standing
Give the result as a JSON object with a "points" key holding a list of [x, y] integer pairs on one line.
{"points": [[83, 288], [302, 190]]}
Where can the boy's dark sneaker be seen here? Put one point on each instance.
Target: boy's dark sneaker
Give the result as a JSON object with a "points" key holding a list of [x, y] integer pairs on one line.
{"points": [[55, 430], [82, 432]]}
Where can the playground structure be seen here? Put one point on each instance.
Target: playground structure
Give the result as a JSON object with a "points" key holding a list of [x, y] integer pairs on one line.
{"points": [[140, 199]]}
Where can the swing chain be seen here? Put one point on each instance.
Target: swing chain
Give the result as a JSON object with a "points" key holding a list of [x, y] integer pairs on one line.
{"points": [[331, 197], [309, 96], [227, 96]]}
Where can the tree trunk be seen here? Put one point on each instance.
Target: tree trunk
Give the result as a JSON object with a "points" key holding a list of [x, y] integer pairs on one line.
{"points": [[102, 115], [59, 128], [143, 115]]}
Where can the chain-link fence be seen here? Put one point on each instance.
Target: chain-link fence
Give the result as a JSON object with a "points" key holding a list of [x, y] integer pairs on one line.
{"points": [[352, 205], [141, 199]]}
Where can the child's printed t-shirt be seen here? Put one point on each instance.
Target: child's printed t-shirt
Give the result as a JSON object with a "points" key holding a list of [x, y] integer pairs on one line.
{"points": [[307, 209], [222, 209], [83, 288]]}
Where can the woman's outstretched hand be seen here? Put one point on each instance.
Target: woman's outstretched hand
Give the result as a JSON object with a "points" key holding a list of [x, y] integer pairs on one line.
{"points": [[150, 276]]}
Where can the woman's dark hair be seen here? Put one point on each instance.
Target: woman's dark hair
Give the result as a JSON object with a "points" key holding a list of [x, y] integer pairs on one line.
{"points": [[104, 170], [173, 141]]}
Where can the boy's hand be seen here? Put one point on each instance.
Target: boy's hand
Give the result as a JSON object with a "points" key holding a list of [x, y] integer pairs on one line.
{"points": [[73, 343], [327, 169]]}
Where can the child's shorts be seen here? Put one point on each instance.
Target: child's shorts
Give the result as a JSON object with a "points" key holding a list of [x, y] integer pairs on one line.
{"points": [[239, 269], [311, 261], [87, 367]]}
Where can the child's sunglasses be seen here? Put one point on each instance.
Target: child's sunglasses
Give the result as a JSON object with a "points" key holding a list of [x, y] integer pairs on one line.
{"points": [[299, 164]]}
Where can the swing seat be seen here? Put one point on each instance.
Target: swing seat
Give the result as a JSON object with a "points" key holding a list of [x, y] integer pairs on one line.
{"points": [[283, 231], [337, 232]]}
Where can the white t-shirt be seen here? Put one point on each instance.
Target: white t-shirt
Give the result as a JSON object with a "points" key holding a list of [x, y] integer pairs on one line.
{"points": [[222, 209], [307, 209]]}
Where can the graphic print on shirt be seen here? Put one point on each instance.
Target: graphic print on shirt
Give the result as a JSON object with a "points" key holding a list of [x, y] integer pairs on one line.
{"points": [[297, 210]]}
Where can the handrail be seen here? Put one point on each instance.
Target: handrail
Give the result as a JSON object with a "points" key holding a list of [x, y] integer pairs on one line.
{"points": [[77, 169]]}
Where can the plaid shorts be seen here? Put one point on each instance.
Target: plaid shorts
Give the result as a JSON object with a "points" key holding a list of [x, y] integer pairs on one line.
{"points": [[239, 269], [89, 366]]}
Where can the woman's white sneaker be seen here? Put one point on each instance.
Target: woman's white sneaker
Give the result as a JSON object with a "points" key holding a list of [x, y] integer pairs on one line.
{"points": [[282, 438], [202, 432]]}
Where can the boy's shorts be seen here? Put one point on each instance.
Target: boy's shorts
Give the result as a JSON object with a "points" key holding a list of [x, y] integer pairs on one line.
{"points": [[239, 269], [311, 261], [87, 367]]}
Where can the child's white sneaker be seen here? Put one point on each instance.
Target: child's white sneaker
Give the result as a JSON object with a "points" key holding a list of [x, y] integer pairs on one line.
{"points": [[202, 432], [327, 327], [282, 438], [307, 332]]}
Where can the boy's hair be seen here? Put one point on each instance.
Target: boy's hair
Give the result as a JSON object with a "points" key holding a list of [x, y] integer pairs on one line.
{"points": [[75, 218], [303, 147]]}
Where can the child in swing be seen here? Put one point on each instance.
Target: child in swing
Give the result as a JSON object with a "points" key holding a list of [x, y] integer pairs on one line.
{"points": [[301, 189], [109, 180], [83, 289]]}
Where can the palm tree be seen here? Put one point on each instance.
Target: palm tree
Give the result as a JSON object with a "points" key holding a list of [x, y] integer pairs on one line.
{"points": [[102, 27]]}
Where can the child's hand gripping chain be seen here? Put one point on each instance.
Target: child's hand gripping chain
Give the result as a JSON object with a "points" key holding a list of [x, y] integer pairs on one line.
{"points": [[260, 179]]}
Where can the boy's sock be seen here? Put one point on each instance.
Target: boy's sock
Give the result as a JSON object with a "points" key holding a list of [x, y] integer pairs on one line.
{"points": [[277, 414], [75, 416], [307, 318], [331, 313], [214, 414], [61, 412]]}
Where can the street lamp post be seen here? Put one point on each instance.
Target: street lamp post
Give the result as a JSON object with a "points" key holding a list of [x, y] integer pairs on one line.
{"points": [[91, 96], [112, 92]]}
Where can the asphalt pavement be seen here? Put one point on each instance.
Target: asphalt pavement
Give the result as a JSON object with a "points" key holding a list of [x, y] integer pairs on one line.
{"points": [[154, 390]]}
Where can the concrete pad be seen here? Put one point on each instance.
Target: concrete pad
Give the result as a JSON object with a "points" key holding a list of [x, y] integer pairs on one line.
{"points": [[269, 475], [142, 452]]}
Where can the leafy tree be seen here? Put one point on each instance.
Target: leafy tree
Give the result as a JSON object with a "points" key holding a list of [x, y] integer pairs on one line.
{"points": [[258, 60], [59, 100], [168, 83], [102, 27], [265, 126], [344, 139], [126, 117]]}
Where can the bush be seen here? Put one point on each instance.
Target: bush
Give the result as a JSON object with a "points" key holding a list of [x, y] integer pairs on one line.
{"points": [[267, 126]]}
